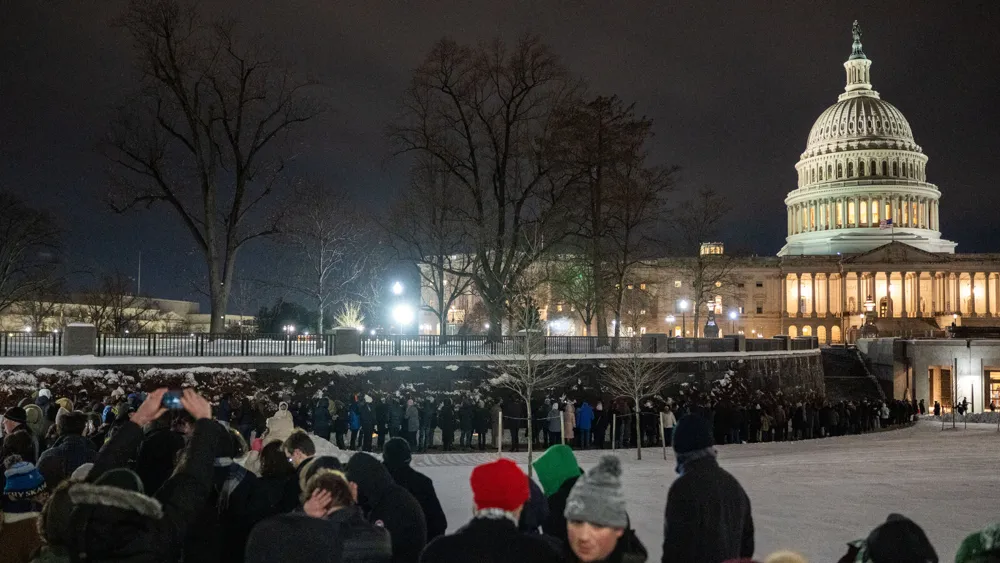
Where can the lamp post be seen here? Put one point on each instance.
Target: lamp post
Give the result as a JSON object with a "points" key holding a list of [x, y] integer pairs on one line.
{"points": [[670, 323], [733, 315], [682, 306]]}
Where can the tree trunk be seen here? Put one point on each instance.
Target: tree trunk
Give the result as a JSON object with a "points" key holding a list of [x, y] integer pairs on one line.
{"points": [[638, 432], [697, 317], [442, 326], [531, 436], [219, 286], [319, 328]]}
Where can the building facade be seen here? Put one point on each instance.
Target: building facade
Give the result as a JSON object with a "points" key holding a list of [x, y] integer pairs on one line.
{"points": [[863, 230]]}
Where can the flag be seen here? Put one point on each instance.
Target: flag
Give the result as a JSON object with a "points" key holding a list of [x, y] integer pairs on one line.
{"points": [[885, 224]]}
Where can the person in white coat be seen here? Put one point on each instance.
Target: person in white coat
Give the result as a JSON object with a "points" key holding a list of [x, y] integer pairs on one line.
{"points": [[669, 420]]}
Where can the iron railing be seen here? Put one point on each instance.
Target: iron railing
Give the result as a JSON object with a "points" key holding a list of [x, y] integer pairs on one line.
{"points": [[31, 344], [204, 344], [476, 345]]}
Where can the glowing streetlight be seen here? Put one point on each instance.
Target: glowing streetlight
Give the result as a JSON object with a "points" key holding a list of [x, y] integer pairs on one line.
{"points": [[397, 288], [403, 315], [682, 306], [733, 315], [670, 323]]}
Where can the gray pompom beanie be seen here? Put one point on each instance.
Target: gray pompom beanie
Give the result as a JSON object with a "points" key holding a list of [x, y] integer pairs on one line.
{"points": [[597, 496]]}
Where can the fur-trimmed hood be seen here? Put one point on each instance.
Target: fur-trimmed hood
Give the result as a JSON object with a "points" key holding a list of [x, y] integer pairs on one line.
{"points": [[83, 494]]}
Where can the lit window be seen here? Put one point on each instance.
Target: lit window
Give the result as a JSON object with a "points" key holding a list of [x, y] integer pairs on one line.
{"points": [[642, 286], [559, 308], [760, 284], [642, 330], [677, 283], [642, 312], [718, 284], [629, 286]]}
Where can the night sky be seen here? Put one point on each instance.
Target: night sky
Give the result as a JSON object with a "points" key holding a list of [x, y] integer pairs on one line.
{"points": [[732, 88]]}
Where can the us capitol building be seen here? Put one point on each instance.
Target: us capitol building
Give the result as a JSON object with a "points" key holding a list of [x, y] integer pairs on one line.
{"points": [[863, 229]]}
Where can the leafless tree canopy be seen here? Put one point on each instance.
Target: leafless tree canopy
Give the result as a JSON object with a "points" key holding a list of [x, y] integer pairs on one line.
{"points": [[29, 242], [333, 254], [201, 134], [485, 116], [697, 221], [634, 376], [113, 307]]}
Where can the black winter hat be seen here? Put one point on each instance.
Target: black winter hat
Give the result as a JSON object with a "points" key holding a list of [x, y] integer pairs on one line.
{"points": [[900, 540], [16, 414], [692, 432], [396, 452]]}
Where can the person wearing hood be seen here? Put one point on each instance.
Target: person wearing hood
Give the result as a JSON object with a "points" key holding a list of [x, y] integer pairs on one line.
{"points": [[600, 425], [897, 539], [499, 491], [569, 414], [412, 417], [555, 424], [331, 527], [70, 450], [321, 421], [557, 471], [388, 505], [707, 517], [367, 419], [108, 518], [396, 429], [597, 524], [396, 458], [279, 426], [980, 547], [219, 531], [19, 508], [37, 420], [584, 419]]}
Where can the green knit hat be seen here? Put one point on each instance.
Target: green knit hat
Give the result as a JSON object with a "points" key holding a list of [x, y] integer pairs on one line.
{"points": [[554, 467], [983, 542]]}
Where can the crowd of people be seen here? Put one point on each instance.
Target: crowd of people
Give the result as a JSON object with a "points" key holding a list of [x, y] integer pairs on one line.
{"points": [[125, 478]]}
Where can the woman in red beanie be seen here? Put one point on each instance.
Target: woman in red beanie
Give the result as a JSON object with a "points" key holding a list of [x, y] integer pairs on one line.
{"points": [[499, 491]]}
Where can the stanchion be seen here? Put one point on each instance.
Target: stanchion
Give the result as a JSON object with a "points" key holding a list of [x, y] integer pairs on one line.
{"points": [[562, 429], [614, 430], [663, 438], [500, 433]]}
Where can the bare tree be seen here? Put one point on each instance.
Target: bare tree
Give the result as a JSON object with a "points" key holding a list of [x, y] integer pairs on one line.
{"points": [[114, 308], [638, 209], [525, 374], [201, 135], [597, 139], [29, 241], [424, 228], [485, 115], [573, 283], [43, 303], [334, 253], [636, 309], [697, 221], [634, 376]]}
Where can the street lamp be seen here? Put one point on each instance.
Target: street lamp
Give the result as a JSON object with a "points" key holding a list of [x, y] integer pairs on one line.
{"points": [[397, 288], [733, 315], [670, 322], [682, 305], [403, 315]]}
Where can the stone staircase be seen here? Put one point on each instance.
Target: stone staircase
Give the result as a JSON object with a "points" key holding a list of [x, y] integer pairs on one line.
{"points": [[846, 376]]}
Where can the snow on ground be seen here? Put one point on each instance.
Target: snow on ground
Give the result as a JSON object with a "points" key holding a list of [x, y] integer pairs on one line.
{"points": [[812, 496]]}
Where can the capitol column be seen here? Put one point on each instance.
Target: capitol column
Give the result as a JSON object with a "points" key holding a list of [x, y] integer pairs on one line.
{"points": [[826, 277], [972, 294], [918, 310], [986, 290], [902, 294], [798, 295], [933, 293], [812, 293]]}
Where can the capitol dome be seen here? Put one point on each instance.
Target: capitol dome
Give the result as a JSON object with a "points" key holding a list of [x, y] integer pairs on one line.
{"points": [[862, 177]]}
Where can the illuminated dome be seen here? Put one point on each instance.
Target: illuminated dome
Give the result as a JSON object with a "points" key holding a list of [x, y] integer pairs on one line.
{"points": [[862, 167]]}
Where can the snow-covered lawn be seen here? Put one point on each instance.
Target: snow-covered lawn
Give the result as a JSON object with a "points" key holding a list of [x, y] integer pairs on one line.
{"points": [[811, 496]]}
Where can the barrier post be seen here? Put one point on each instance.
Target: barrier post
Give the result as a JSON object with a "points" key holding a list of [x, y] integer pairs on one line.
{"points": [[500, 433], [562, 428], [663, 438], [614, 431]]}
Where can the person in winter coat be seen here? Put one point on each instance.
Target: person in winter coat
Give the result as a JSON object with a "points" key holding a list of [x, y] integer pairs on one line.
{"points": [[980, 547], [396, 458], [481, 424], [496, 412], [279, 426], [15, 427], [513, 420], [446, 420], [555, 424], [157, 452], [897, 539], [412, 417], [330, 528], [367, 419], [466, 414], [20, 506], [708, 515], [321, 420], [388, 505], [396, 429], [219, 531], [600, 425], [428, 416], [569, 414], [597, 524], [937, 408], [354, 423], [70, 450], [277, 488], [557, 470], [499, 491], [669, 421], [535, 511], [584, 420], [108, 518], [541, 425], [382, 422]]}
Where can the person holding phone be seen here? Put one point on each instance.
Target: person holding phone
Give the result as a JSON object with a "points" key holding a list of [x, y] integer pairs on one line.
{"points": [[109, 516]]}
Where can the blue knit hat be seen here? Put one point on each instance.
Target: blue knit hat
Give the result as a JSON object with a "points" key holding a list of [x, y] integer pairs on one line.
{"points": [[692, 432], [24, 482]]}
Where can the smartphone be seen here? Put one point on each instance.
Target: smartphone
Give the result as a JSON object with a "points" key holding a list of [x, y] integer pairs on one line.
{"points": [[172, 400]]}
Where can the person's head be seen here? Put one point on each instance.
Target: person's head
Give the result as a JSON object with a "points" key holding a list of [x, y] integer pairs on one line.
{"points": [[299, 447], [274, 462], [23, 486], [13, 418], [72, 423], [595, 511], [499, 486], [315, 464], [396, 453], [897, 539], [980, 547], [183, 423], [333, 482]]}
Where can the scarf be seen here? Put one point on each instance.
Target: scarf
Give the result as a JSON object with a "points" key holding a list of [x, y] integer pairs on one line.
{"points": [[495, 514], [688, 457], [235, 474]]}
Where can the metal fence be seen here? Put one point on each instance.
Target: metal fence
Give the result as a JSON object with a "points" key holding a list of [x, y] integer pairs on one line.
{"points": [[474, 345], [202, 344], [31, 344]]}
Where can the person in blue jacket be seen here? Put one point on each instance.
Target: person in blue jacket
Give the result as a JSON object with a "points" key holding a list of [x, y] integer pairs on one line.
{"points": [[584, 419]]}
